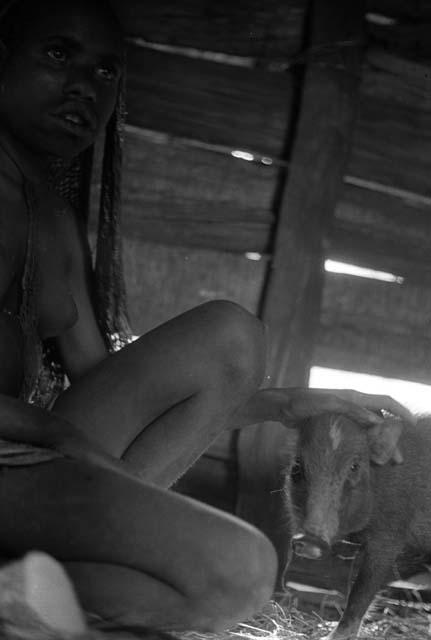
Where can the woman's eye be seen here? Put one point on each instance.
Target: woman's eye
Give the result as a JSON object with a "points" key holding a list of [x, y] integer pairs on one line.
{"points": [[57, 54]]}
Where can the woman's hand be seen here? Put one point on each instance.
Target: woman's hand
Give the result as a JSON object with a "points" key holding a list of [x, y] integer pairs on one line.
{"points": [[292, 404], [364, 408]]}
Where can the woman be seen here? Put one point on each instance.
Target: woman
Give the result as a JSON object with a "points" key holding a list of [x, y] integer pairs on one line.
{"points": [[69, 484]]}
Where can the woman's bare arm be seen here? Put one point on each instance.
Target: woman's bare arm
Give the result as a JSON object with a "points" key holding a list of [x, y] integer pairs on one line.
{"points": [[26, 423], [290, 405], [82, 346]]}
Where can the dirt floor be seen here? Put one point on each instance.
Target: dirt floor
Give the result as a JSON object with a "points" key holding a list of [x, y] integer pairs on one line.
{"points": [[388, 620]]}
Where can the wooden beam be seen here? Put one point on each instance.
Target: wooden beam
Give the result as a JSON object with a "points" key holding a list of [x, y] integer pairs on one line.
{"points": [[292, 296], [258, 28], [291, 303]]}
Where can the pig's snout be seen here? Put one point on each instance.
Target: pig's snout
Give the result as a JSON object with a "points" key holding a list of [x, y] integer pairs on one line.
{"points": [[309, 546]]}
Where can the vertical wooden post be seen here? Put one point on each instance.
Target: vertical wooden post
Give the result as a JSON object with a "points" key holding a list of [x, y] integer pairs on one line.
{"points": [[291, 303]]}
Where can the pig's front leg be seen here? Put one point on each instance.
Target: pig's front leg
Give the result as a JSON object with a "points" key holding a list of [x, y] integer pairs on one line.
{"points": [[378, 559]]}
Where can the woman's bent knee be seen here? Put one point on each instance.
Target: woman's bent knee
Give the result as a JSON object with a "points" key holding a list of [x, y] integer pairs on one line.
{"points": [[237, 590], [238, 342]]}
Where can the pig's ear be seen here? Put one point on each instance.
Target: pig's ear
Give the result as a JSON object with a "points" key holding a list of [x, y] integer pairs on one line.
{"points": [[383, 440]]}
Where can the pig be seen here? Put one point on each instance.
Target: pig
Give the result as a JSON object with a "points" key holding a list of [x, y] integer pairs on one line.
{"points": [[343, 481]]}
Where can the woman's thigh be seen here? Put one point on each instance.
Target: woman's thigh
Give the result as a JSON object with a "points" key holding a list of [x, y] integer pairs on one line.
{"points": [[217, 347], [180, 548]]}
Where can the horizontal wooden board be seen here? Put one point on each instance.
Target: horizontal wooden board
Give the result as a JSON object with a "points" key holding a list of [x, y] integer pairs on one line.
{"points": [[391, 356], [401, 9], [392, 140], [188, 196], [258, 28], [384, 232], [163, 282], [392, 146], [235, 237], [215, 103], [375, 327], [396, 80], [408, 38], [392, 149]]}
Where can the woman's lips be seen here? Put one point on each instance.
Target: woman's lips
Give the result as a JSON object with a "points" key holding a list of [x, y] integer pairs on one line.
{"points": [[74, 123], [77, 117]]}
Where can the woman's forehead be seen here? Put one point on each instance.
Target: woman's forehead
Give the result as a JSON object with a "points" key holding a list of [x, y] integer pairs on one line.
{"points": [[91, 22]]}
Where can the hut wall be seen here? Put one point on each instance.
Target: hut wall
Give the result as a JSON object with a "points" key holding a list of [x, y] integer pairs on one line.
{"points": [[383, 221]]}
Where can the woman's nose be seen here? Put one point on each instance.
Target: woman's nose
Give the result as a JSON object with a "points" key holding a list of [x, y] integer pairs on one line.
{"points": [[80, 83]]}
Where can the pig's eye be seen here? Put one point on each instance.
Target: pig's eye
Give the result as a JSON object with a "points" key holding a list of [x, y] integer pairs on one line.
{"points": [[297, 471], [354, 467]]}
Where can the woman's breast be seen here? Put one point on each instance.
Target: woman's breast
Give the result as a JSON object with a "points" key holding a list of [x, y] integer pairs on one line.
{"points": [[57, 308]]}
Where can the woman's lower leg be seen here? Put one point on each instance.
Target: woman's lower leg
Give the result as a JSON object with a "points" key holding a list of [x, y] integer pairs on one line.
{"points": [[161, 401]]}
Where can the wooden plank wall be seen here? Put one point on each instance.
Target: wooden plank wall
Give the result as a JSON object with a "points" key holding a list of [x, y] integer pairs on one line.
{"points": [[383, 219]]}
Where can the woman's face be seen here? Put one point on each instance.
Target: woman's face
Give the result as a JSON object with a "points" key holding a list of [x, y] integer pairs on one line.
{"points": [[59, 82]]}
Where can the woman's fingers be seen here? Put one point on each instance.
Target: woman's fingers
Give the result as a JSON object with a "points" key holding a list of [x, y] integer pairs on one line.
{"points": [[374, 403], [313, 402], [299, 403]]}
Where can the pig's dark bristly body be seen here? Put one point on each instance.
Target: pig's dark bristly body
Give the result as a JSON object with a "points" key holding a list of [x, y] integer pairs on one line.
{"points": [[342, 484]]}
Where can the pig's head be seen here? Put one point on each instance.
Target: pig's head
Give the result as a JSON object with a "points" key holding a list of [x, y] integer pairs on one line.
{"points": [[327, 482]]}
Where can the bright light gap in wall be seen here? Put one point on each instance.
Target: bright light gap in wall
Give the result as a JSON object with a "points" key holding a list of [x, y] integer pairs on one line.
{"points": [[361, 272], [414, 395], [381, 20], [250, 157], [253, 255]]}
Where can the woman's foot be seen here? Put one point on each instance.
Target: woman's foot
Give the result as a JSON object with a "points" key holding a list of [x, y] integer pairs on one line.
{"points": [[37, 600]]}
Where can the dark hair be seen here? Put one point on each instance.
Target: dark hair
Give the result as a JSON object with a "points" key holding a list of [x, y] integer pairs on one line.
{"points": [[18, 16]]}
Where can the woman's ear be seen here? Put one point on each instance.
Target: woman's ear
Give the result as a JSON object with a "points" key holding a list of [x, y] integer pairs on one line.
{"points": [[383, 441]]}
